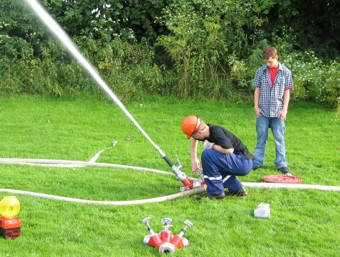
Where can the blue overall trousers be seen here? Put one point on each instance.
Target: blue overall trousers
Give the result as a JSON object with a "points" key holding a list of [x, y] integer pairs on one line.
{"points": [[220, 169]]}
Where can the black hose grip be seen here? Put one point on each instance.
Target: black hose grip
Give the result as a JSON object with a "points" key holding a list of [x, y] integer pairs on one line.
{"points": [[168, 161]]}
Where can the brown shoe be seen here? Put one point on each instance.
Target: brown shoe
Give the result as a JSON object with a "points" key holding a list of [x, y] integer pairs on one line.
{"points": [[286, 171], [210, 196], [241, 192]]}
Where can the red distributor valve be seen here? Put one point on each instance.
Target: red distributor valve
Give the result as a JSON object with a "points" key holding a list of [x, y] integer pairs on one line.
{"points": [[165, 240]]}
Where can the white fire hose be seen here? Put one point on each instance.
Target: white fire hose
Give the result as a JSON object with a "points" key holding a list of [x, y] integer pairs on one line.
{"points": [[93, 163]]}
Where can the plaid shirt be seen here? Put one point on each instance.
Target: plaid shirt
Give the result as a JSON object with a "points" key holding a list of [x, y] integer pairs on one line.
{"points": [[271, 97]]}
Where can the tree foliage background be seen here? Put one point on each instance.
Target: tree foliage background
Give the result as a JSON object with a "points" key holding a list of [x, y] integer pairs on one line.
{"points": [[184, 48]]}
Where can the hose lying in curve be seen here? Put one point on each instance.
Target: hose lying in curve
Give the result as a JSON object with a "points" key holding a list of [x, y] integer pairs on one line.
{"points": [[68, 163], [114, 203]]}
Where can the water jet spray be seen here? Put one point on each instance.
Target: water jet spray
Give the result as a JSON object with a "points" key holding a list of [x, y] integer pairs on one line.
{"points": [[61, 35]]}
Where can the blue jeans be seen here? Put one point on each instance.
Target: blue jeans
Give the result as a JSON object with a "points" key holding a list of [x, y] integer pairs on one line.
{"points": [[278, 128], [220, 169]]}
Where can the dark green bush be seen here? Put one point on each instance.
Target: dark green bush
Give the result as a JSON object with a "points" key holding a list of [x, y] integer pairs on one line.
{"points": [[204, 48], [314, 80]]}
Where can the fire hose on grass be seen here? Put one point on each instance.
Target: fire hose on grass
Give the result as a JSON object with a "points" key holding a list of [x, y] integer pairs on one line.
{"points": [[92, 163]]}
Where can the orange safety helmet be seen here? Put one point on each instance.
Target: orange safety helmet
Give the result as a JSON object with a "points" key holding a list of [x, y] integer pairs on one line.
{"points": [[190, 124]]}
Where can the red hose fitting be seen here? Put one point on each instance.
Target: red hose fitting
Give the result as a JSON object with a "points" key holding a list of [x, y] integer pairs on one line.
{"points": [[166, 236], [153, 240], [187, 182], [179, 241], [190, 184]]}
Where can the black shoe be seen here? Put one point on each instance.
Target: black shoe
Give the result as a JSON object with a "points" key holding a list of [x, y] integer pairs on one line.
{"points": [[257, 166], [210, 196], [241, 192], [285, 170]]}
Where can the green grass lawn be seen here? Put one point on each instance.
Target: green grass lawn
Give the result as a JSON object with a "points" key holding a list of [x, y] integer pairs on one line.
{"points": [[302, 223]]}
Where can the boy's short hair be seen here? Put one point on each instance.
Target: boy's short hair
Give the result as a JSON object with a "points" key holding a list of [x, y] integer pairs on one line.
{"points": [[269, 52]]}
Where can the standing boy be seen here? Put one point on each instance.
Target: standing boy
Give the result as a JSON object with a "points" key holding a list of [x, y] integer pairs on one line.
{"points": [[272, 83]]}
